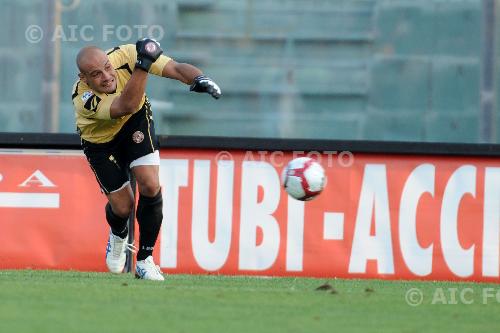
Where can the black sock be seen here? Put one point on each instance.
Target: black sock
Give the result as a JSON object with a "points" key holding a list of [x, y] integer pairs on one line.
{"points": [[118, 224], [149, 216]]}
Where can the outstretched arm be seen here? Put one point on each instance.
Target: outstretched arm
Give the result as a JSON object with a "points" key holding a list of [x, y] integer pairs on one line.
{"points": [[181, 71], [193, 76]]}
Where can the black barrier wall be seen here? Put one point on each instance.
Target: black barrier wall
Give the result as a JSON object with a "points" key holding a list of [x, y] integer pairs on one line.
{"points": [[72, 141]]}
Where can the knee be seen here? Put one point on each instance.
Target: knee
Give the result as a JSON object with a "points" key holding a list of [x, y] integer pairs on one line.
{"points": [[149, 188], [123, 207]]}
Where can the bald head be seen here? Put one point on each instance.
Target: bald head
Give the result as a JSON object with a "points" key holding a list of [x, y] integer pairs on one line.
{"points": [[88, 57], [96, 69]]}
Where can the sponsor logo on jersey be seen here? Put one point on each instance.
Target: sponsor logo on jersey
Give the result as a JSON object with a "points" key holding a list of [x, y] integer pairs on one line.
{"points": [[86, 95]]}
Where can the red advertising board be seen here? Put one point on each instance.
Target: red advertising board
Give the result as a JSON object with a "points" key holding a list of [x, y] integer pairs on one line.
{"points": [[380, 216], [51, 212]]}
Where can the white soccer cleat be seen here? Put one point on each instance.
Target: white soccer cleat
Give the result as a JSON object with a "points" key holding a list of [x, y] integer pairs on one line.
{"points": [[116, 254], [147, 270]]}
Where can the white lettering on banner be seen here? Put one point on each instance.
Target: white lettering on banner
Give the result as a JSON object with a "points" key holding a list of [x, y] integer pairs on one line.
{"points": [[212, 255], [174, 174], [256, 214], [37, 178], [417, 258], [373, 197], [295, 235], [491, 229], [459, 260], [333, 226], [259, 237], [29, 200]]}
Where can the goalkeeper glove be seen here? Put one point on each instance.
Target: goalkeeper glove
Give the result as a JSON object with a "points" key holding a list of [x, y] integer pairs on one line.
{"points": [[203, 84], [148, 50]]}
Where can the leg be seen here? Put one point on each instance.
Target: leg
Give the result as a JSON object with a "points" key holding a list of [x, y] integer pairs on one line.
{"points": [[148, 179], [118, 209], [111, 175], [150, 208], [141, 151]]}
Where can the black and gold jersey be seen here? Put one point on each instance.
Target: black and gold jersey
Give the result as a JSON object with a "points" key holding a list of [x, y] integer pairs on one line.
{"points": [[92, 109]]}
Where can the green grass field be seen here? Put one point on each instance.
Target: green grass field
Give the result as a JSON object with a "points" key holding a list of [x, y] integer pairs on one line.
{"points": [[53, 301]]}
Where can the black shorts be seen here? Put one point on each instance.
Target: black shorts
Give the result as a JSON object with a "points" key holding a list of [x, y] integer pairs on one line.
{"points": [[110, 161]]}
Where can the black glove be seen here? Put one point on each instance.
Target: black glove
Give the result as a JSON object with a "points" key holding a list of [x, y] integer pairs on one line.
{"points": [[203, 84], [148, 50]]}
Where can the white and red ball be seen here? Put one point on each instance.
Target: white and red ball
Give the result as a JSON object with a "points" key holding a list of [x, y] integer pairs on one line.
{"points": [[303, 178]]}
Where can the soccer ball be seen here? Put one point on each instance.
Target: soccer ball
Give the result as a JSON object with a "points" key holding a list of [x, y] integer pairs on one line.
{"points": [[303, 178]]}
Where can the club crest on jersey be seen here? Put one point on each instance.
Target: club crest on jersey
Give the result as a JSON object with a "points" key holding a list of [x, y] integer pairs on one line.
{"points": [[86, 95], [138, 136]]}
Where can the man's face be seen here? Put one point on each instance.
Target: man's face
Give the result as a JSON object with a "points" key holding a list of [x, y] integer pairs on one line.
{"points": [[98, 73]]}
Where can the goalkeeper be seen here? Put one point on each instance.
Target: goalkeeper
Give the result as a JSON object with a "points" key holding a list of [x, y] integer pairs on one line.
{"points": [[115, 123]]}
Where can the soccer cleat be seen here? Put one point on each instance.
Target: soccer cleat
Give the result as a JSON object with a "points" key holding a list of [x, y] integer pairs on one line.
{"points": [[147, 270], [116, 253]]}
